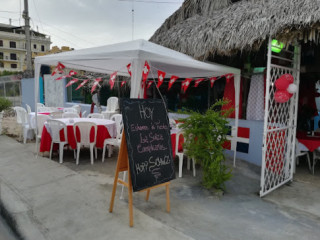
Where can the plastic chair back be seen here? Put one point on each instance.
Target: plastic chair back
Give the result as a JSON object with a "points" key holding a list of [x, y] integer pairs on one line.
{"points": [[95, 115], [55, 115], [55, 127], [84, 129], [119, 124], [22, 116], [71, 109], [40, 105], [44, 109], [78, 108], [41, 119], [70, 115], [112, 104], [28, 108]]}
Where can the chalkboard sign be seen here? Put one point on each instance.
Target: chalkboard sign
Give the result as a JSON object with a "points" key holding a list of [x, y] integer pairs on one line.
{"points": [[147, 132]]}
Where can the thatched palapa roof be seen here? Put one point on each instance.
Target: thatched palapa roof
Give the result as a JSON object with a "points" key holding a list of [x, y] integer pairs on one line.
{"points": [[202, 28]]}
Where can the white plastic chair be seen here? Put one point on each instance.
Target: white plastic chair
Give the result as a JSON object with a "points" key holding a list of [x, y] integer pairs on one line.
{"points": [[41, 119], [78, 108], [302, 150], [54, 128], [56, 115], [70, 115], [95, 115], [71, 109], [84, 129], [22, 119], [83, 114], [180, 155], [172, 123], [112, 107], [28, 108], [40, 105], [110, 142]]}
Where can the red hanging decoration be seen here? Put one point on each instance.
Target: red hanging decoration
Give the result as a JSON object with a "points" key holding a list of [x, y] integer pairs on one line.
{"points": [[72, 82], [112, 79], [161, 76], [212, 80], [123, 83], [185, 84], [58, 68], [145, 72], [228, 77], [149, 84], [129, 69], [198, 81], [72, 73], [82, 84], [95, 84], [62, 77], [172, 81]]}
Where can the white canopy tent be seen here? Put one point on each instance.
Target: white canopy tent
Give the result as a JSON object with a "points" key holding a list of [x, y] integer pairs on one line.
{"points": [[110, 58]]}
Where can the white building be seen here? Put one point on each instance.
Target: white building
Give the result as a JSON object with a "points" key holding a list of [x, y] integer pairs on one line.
{"points": [[13, 46]]}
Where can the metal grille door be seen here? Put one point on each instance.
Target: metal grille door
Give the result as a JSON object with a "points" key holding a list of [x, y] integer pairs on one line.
{"points": [[280, 119]]}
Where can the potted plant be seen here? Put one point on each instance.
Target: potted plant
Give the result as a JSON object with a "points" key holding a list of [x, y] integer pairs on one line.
{"points": [[4, 105], [205, 135]]}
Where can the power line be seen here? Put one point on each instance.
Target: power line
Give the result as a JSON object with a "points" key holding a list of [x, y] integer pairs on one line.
{"points": [[35, 7]]}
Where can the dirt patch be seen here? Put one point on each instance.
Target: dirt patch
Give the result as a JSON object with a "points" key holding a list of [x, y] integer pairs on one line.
{"points": [[10, 127]]}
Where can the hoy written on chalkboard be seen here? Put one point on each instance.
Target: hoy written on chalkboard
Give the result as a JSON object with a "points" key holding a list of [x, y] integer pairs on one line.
{"points": [[148, 141]]}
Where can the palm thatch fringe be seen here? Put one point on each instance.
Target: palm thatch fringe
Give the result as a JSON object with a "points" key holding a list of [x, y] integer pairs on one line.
{"points": [[244, 25]]}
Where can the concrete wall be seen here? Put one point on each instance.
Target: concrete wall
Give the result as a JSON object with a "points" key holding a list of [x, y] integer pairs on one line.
{"points": [[27, 92]]}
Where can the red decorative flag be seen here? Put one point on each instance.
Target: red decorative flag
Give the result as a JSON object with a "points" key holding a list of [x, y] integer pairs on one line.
{"points": [[185, 84], [112, 79], [149, 84], [198, 81], [161, 76], [58, 68], [123, 83], [172, 81], [145, 72], [71, 73], [95, 84], [212, 80], [129, 69], [72, 82], [62, 77], [228, 77], [82, 84]]}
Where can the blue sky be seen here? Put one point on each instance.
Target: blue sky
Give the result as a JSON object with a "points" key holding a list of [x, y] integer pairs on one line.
{"points": [[89, 23]]}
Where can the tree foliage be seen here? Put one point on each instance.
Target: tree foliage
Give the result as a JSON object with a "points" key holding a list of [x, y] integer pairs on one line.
{"points": [[205, 135]]}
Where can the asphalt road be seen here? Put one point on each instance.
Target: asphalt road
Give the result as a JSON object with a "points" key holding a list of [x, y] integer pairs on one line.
{"points": [[5, 231]]}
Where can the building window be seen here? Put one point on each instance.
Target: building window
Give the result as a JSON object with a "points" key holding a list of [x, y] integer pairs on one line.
{"points": [[13, 65], [13, 44], [1, 43], [1, 55], [13, 56], [34, 46], [1, 65], [42, 48]]}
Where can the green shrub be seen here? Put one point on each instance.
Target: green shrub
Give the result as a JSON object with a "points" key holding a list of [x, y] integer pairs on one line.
{"points": [[4, 104], [205, 135]]}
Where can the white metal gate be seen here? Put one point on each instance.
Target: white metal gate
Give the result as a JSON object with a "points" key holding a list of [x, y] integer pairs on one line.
{"points": [[280, 122]]}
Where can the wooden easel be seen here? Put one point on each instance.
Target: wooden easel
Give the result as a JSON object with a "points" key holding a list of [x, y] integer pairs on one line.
{"points": [[123, 165]]}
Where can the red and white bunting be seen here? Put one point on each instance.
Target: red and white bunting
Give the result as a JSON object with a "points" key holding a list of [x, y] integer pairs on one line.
{"points": [[112, 79], [228, 77], [129, 67], [62, 77], [82, 84], [172, 81], [149, 84], [72, 73], [198, 81], [145, 71], [185, 84], [212, 80], [161, 76], [95, 84], [123, 83], [72, 82], [58, 69]]}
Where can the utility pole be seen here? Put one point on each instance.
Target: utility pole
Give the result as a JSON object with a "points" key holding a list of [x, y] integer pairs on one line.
{"points": [[25, 15]]}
